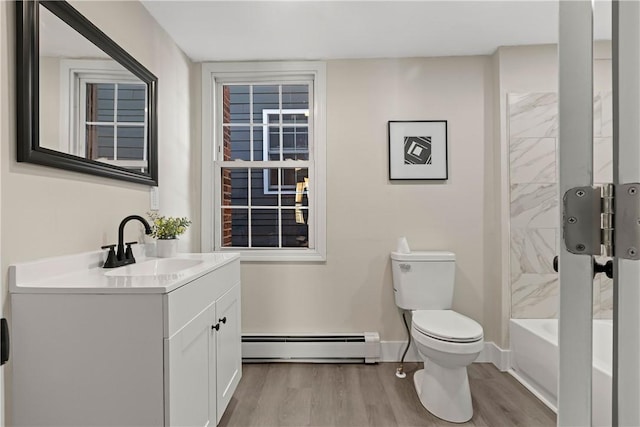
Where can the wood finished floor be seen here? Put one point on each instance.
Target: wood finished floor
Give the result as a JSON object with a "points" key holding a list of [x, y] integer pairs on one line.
{"points": [[356, 395]]}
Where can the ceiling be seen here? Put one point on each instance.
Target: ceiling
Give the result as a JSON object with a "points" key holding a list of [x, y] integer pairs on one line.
{"points": [[276, 30]]}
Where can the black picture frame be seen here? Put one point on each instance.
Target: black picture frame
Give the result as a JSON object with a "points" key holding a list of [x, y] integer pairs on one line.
{"points": [[27, 99], [418, 150]]}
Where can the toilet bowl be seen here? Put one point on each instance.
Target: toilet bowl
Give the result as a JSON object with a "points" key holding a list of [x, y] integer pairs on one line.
{"points": [[447, 342]]}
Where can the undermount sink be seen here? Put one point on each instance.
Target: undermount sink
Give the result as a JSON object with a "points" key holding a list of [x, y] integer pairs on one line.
{"points": [[156, 267]]}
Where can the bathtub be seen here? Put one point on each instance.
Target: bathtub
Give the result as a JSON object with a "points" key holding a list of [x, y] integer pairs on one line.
{"points": [[534, 361]]}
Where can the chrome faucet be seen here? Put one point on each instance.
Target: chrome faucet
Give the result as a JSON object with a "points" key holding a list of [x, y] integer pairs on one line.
{"points": [[122, 256]]}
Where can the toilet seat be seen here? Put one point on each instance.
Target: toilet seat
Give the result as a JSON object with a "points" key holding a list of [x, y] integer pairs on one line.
{"points": [[447, 325]]}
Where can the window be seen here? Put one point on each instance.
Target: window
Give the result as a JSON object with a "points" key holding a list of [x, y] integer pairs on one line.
{"points": [[112, 122], [263, 160], [107, 108]]}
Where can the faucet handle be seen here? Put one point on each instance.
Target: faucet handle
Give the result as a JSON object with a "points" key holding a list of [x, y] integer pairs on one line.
{"points": [[128, 254], [111, 257]]}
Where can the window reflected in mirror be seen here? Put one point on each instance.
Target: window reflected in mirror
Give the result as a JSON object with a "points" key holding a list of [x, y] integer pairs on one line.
{"points": [[90, 105], [113, 127]]}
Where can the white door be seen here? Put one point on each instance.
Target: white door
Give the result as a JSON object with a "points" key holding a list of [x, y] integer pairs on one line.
{"points": [[626, 164], [576, 178]]}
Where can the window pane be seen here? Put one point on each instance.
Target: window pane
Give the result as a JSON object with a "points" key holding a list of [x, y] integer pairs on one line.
{"points": [[264, 228], [273, 118], [295, 97], [236, 143], [296, 143], [100, 102], [290, 180], [235, 226], [295, 188], [99, 142], [235, 104], [295, 231], [131, 102], [261, 193], [258, 147], [295, 118], [130, 143], [274, 143], [293, 178], [235, 187], [265, 97]]}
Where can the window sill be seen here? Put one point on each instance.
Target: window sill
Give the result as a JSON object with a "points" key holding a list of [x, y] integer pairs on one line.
{"points": [[280, 255]]}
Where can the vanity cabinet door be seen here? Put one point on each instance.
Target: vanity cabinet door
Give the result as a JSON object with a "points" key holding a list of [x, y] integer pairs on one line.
{"points": [[190, 358], [228, 348]]}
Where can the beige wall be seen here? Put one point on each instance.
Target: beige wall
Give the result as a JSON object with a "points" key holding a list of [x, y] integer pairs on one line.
{"points": [[47, 212], [494, 297], [366, 212], [535, 68]]}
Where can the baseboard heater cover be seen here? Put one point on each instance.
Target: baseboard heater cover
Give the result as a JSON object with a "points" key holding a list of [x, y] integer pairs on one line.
{"points": [[338, 348]]}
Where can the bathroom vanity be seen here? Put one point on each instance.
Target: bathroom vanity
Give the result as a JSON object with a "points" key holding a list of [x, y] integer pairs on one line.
{"points": [[154, 343]]}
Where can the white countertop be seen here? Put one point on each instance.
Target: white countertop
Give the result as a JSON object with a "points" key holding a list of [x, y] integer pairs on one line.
{"points": [[83, 273]]}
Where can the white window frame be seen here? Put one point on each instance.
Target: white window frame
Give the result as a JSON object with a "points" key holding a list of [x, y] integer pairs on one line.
{"points": [[213, 74], [74, 75]]}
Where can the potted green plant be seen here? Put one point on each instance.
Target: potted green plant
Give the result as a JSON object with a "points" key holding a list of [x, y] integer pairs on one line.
{"points": [[166, 229]]}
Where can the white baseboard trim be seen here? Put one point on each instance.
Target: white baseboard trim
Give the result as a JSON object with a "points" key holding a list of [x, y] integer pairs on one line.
{"points": [[391, 351], [500, 358], [544, 399]]}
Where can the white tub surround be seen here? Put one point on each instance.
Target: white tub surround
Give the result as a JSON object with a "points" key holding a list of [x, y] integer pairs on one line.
{"points": [[534, 356], [532, 121], [153, 343]]}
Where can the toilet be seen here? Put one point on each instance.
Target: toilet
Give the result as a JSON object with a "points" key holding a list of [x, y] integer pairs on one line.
{"points": [[446, 341]]}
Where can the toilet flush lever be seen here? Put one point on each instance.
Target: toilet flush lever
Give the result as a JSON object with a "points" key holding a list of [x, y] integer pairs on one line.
{"points": [[405, 268]]}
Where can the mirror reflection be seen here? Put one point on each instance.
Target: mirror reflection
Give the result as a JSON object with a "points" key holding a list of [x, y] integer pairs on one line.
{"points": [[90, 105]]}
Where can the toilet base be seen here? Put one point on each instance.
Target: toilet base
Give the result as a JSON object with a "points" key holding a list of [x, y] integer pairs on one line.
{"points": [[444, 392]]}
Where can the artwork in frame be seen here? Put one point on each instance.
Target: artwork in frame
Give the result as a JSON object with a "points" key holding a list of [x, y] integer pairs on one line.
{"points": [[418, 149]]}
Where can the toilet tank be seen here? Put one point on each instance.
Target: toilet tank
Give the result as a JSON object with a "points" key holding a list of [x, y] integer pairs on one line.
{"points": [[423, 280]]}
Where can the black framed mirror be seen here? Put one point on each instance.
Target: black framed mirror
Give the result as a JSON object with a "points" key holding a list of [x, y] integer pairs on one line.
{"points": [[83, 103]]}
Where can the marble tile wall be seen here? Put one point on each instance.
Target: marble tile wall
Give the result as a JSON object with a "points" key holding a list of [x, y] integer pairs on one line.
{"points": [[533, 177]]}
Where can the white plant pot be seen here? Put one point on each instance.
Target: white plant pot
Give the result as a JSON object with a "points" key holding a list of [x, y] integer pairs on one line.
{"points": [[166, 248]]}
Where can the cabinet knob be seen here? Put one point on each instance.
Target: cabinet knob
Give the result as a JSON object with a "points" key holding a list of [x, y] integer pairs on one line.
{"points": [[223, 320], [216, 326]]}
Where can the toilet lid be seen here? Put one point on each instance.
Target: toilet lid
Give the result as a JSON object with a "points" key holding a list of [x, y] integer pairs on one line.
{"points": [[447, 325]]}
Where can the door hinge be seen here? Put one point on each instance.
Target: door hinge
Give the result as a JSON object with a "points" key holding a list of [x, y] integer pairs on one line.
{"points": [[607, 203], [602, 220], [627, 221]]}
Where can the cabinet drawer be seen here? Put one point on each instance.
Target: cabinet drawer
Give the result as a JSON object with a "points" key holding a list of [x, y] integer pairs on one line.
{"points": [[186, 302]]}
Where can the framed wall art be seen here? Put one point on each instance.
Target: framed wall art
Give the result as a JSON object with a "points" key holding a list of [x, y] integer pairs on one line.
{"points": [[418, 149]]}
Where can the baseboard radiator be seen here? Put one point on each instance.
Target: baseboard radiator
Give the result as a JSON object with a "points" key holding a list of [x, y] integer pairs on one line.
{"points": [[361, 347]]}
